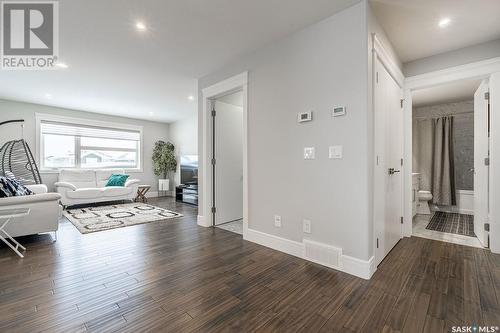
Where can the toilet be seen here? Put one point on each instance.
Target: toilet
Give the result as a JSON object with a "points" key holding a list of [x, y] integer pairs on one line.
{"points": [[423, 202]]}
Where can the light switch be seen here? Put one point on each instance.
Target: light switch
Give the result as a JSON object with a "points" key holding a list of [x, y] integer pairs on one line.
{"points": [[309, 153], [335, 152]]}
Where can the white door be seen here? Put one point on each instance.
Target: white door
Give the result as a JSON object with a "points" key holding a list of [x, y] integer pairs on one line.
{"points": [[388, 187], [481, 155], [229, 162]]}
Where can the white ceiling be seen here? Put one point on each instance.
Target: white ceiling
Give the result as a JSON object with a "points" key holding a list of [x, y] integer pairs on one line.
{"points": [[446, 93], [412, 25], [115, 69]]}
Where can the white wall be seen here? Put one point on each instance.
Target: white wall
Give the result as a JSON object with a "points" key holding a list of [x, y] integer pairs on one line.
{"points": [[184, 135], [316, 68], [458, 57], [16, 110]]}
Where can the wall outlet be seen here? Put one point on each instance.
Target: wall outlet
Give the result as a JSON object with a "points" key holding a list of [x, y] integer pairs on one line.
{"points": [[335, 152], [306, 226], [277, 221], [309, 153]]}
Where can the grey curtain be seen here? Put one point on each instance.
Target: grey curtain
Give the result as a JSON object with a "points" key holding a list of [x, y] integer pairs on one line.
{"points": [[443, 165]]}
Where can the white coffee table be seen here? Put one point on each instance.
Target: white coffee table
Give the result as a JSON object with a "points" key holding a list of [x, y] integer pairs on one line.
{"points": [[6, 216]]}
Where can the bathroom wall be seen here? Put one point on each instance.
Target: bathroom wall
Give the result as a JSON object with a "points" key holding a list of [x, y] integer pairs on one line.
{"points": [[463, 141]]}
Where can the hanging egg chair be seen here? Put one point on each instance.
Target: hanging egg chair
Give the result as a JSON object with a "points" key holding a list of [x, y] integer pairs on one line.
{"points": [[16, 159]]}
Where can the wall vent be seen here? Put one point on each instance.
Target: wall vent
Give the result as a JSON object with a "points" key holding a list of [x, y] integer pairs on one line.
{"points": [[323, 254]]}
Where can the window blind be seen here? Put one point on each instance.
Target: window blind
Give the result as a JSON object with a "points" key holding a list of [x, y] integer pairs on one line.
{"points": [[57, 128]]}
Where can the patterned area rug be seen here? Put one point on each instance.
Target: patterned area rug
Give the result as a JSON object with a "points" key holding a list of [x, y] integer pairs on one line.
{"points": [[452, 223], [92, 219]]}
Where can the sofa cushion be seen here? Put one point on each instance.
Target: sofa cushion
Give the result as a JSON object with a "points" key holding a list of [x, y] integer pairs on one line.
{"points": [[103, 175], [85, 193], [116, 191], [79, 178]]}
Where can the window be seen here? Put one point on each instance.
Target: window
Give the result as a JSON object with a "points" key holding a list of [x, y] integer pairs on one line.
{"points": [[71, 143]]}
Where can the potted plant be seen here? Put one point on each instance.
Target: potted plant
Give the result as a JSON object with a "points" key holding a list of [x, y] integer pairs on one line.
{"points": [[164, 163]]}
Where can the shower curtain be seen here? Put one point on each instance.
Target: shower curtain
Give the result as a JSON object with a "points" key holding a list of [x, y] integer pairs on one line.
{"points": [[443, 164]]}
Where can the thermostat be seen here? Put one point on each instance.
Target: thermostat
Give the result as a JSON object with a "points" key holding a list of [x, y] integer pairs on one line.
{"points": [[304, 116], [338, 111]]}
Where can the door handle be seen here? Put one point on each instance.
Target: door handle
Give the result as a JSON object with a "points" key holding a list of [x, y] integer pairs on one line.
{"points": [[393, 171]]}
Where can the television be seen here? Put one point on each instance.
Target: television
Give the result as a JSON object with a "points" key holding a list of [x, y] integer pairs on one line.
{"points": [[189, 170]]}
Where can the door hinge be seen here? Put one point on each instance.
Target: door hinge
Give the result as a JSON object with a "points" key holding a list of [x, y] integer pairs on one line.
{"points": [[376, 79], [214, 113], [401, 220], [214, 210], [401, 162], [487, 96], [377, 243], [213, 161], [402, 101], [486, 227], [486, 161]]}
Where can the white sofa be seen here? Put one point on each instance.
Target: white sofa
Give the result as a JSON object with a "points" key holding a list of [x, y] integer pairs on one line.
{"points": [[44, 216], [78, 187]]}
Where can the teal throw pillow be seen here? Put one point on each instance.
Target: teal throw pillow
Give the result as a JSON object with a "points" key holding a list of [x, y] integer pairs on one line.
{"points": [[117, 180]]}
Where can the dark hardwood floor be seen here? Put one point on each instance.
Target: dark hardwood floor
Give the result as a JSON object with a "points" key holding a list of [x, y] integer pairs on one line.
{"points": [[174, 276]]}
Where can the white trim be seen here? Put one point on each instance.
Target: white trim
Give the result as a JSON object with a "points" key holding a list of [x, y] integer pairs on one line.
{"points": [[39, 117], [202, 221], [361, 268], [351, 265], [287, 246], [386, 60], [236, 83], [479, 69]]}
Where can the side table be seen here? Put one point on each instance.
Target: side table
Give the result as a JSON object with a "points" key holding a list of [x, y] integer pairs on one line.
{"points": [[141, 193], [6, 216]]}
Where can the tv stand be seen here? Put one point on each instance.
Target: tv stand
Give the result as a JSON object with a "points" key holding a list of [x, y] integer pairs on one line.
{"points": [[187, 194]]}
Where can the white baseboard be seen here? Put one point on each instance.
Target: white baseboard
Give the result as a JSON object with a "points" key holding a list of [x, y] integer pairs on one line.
{"points": [[361, 268], [274, 242], [202, 222], [322, 254]]}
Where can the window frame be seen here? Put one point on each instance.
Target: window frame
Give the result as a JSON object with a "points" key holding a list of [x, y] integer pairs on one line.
{"points": [[40, 117]]}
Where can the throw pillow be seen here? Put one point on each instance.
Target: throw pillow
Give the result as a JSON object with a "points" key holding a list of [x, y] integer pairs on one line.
{"points": [[11, 187], [117, 180]]}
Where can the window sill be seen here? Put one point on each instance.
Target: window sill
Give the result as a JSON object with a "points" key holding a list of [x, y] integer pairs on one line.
{"points": [[54, 171]]}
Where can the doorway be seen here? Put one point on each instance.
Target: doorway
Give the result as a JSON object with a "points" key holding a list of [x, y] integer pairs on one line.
{"points": [[227, 157], [388, 143], [450, 148], [207, 207]]}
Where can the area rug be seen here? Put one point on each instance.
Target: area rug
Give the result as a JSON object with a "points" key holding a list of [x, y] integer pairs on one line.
{"points": [[452, 223], [92, 219]]}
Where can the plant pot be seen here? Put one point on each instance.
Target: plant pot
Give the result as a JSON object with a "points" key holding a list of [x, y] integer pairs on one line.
{"points": [[163, 185]]}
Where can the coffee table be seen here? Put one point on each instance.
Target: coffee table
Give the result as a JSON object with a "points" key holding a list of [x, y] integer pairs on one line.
{"points": [[6, 216], [141, 193]]}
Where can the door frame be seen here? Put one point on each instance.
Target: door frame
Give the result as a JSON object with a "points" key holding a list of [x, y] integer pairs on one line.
{"points": [[380, 53], [477, 70], [236, 83]]}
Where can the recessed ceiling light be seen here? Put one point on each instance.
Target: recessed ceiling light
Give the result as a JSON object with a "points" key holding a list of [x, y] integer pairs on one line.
{"points": [[151, 113], [48, 96], [191, 97], [444, 22], [140, 26], [62, 65]]}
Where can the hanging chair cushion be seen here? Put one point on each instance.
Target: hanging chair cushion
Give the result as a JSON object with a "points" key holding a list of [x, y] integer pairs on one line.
{"points": [[10, 187]]}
